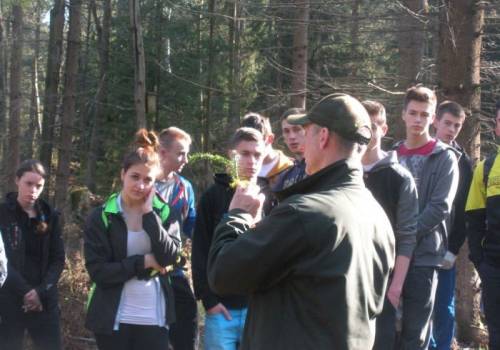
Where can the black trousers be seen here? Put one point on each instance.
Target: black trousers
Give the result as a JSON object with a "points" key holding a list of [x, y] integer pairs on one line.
{"points": [[134, 337], [490, 283], [43, 328], [385, 331], [184, 332]]}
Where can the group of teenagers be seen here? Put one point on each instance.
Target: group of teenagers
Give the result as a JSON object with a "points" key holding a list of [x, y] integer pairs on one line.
{"points": [[344, 245]]}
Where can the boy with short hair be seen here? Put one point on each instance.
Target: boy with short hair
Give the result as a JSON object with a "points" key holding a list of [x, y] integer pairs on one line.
{"points": [[394, 189], [225, 315], [483, 218], [434, 167], [450, 117], [178, 193]]}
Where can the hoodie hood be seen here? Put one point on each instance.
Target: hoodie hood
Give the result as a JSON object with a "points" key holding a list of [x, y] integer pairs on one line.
{"points": [[390, 159]]}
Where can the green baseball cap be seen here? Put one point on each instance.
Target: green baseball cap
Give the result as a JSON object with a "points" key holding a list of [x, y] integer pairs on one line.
{"points": [[340, 113]]}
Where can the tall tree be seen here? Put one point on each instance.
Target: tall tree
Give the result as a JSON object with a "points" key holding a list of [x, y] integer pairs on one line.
{"points": [[410, 35], [69, 103], [52, 77], [299, 59], [34, 128], [459, 62], [235, 29], [103, 35], [207, 113], [15, 96], [139, 63], [3, 82]]}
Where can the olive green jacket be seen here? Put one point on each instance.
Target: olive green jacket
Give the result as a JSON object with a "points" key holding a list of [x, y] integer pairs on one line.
{"points": [[316, 269]]}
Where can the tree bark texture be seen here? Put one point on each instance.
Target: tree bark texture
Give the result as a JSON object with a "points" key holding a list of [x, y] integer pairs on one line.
{"points": [[299, 55], [139, 63], [69, 105], [410, 35], [103, 35], [3, 83], [207, 115], [235, 28], [52, 78], [15, 97], [34, 121], [460, 35]]}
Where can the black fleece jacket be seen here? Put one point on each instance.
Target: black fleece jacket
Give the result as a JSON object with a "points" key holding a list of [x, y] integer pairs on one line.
{"points": [[35, 260], [213, 205]]}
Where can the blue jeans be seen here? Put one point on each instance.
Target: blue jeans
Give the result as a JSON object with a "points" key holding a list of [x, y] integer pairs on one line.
{"points": [[490, 283], [221, 334], [443, 324]]}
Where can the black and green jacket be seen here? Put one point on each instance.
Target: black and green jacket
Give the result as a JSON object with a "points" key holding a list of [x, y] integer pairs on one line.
{"points": [[483, 215], [105, 249], [316, 269]]}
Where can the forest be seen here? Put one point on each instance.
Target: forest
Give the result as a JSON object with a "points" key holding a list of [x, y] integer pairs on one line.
{"points": [[79, 77]]}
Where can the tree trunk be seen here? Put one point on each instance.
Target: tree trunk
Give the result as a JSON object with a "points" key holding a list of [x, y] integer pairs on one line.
{"points": [[410, 34], [235, 28], [69, 103], [50, 100], [103, 32], [355, 37], [15, 98], [299, 63], [460, 35], [139, 63], [207, 115], [3, 83], [82, 102], [34, 122]]}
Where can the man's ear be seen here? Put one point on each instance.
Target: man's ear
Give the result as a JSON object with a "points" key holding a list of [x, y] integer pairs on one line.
{"points": [[270, 139], [324, 138], [385, 128]]}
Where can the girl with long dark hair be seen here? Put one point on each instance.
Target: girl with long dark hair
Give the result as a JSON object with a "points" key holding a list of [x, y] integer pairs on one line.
{"points": [[35, 252], [129, 242]]}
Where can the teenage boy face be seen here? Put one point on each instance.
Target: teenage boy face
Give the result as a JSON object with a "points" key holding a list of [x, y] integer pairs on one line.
{"points": [[418, 116], [175, 156], [448, 127], [293, 136], [250, 157], [379, 129]]}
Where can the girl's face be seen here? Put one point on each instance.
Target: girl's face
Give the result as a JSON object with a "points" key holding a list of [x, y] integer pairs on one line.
{"points": [[137, 182], [29, 187]]}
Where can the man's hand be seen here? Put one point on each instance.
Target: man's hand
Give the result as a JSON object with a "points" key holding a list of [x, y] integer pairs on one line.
{"points": [[32, 301], [448, 261], [249, 199], [220, 309], [394, 294]]}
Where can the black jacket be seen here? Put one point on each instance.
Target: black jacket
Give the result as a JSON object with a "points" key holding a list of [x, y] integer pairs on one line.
{"points": [[316, 268], [458, 231], [35, 260], [105, 248]]}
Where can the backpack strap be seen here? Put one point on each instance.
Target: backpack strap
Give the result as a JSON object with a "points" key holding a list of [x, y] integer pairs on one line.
{"points": [[488, 164]]}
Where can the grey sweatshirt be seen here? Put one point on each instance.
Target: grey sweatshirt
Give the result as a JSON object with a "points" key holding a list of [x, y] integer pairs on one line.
{"points": [[436, 189], [393, 187]]}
